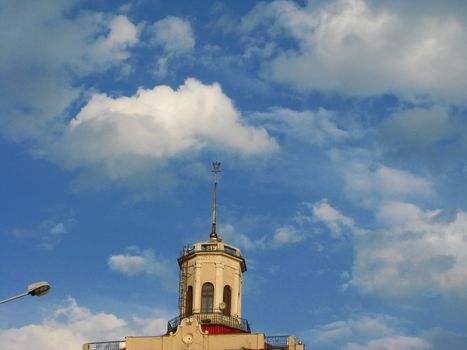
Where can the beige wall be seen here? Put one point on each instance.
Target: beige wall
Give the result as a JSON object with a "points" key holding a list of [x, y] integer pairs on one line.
{"points": [[218, 268], [190, 336]]}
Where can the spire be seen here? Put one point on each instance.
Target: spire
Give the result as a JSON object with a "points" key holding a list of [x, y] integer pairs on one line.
{"points": [[216, 168]]}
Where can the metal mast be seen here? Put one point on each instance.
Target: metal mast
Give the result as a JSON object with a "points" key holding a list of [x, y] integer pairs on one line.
{"points": [[216, 168]]}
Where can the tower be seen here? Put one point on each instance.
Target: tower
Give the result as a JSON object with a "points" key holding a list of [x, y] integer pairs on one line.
{"points": [[210, 303], [211, 281]]}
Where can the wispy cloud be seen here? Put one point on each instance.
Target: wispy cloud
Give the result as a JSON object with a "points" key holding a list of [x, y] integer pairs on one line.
{"points": [[136, 261], [49, 232], [40, 79], [281, 237], [176, 38], [369, 181], [323, 212]]}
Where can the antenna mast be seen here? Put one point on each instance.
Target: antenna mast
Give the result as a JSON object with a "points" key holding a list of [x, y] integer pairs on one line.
{"points": [[216, 168]]}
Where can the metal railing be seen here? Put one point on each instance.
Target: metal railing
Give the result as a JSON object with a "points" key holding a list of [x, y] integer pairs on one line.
{"points": [[213, 319], [209, 247], [276, 342], [106, 345]]}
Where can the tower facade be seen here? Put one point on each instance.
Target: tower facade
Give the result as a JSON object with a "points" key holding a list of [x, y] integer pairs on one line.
{"points": [[211, 280]]}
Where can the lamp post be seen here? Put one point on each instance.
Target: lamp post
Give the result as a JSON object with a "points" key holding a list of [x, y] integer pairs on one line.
{"points": [[38, 289]]}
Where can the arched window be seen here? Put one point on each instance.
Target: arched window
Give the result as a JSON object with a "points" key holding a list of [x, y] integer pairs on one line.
{"points": [[227, 299], [207, 298], [189, 301]]}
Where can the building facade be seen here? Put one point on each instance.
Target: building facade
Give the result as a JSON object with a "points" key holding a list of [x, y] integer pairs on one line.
{"points": [[210, 304]]}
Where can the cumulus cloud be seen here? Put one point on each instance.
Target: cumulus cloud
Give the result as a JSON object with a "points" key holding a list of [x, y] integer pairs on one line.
{"points": [[122, 138], [137, 261], [70, 326], [352, 47], [364, 332]]}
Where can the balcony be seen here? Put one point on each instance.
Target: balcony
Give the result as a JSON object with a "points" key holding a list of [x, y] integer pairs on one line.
{"points": [[213, 319], [108, 345], [276, 342]]}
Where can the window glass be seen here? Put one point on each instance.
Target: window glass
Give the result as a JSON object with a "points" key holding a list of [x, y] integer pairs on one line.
{"points": [[207, 298], [227, 298], [189, 301]]}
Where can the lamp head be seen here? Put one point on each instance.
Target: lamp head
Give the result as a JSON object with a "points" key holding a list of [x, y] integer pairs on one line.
{"points": [[39, 288]]}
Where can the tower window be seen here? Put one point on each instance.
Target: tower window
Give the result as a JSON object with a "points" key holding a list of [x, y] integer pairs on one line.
{"points": [[189, 301], [207, 298], [227, 299]]}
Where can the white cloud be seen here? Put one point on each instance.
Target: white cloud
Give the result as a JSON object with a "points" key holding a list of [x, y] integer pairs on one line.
{"points": [[323, 212], [174, 35], [352, 47], [409, 252], [176, 38], [136, 261], [418, 252], [70, 326], [287, 235], [388, 181], [124, 137], [371, 332], [370, 182], [123, 34]]}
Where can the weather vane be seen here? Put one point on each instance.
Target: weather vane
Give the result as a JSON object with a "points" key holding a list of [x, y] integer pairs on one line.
{"points": [[216, 168]]}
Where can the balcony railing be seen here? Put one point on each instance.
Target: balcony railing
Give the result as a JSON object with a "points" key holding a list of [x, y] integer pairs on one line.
{"points": [[213, 319], [209, 247], [276, 342], [107, 345]]}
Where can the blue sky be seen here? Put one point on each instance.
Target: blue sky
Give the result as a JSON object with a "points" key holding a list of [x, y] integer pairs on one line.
{"points": [[340, 126]]}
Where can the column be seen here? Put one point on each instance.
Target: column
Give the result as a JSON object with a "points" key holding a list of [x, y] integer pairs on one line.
{"points": [[197, 289], [219, 286], [236, 294]]}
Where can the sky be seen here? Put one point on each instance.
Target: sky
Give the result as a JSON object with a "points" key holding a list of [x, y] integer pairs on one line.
{"points": [[341, 129]]}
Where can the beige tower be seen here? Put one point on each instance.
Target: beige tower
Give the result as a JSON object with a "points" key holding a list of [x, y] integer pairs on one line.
{"points": [[211, 281]]}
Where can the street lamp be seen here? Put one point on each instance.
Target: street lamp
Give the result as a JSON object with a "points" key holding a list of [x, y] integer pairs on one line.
{"points": [[38, 289]]}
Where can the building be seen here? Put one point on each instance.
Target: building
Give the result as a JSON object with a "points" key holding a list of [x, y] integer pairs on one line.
{"points": [[210, 304]]}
